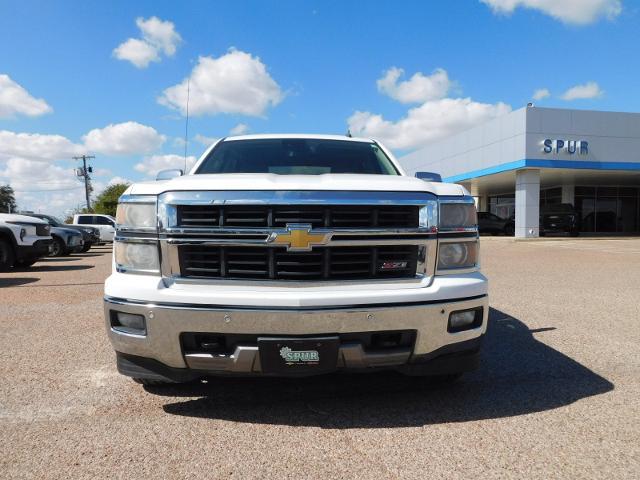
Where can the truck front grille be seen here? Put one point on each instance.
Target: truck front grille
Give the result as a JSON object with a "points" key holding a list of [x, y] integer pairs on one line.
{"points": [[332, 216], [322, 263]]}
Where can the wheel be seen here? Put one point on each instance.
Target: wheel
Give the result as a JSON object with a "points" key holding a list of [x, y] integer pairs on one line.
{"points": [[58, 248], [7, 257], [85, 247]]}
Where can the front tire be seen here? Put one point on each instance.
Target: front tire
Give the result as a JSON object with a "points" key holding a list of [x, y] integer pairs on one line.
{"points": [[58, 248], [7, 257], [85, 248]]}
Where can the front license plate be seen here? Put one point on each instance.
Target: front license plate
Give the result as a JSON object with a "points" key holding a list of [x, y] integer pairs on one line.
{"points": [[289, 356]]}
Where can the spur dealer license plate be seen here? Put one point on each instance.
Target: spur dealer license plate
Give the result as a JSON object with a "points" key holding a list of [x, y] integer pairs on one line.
{"points": [[298, 355]]}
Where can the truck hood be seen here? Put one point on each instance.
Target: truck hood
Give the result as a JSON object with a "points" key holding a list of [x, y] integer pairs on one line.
{"points": [[10, 217], [270, 181], [66, 231]]}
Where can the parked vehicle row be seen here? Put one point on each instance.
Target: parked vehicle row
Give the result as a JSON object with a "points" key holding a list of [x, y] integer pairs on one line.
{"points": [[27, 237], [65, 236]]}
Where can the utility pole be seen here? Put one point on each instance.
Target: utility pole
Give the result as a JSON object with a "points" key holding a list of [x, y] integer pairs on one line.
{"points": [[84, 172]]}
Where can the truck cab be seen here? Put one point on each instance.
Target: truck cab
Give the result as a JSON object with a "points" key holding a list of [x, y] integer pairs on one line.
{"points": [[104, 223], [295, 255]]}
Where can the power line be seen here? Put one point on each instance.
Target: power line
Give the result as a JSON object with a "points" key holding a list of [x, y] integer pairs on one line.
{"points": [[48, 190]]}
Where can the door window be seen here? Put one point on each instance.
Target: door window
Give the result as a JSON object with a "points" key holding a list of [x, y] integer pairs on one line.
{"points": [[103, 221]]}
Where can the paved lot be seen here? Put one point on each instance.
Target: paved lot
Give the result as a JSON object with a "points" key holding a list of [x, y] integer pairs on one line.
{"points": [[558, 394]]}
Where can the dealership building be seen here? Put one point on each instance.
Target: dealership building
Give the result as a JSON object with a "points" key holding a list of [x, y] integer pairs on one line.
{"points": [[535, 156]]}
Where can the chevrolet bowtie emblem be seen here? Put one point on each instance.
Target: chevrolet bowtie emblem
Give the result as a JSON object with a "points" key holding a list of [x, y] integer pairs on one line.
{"points": [[298, 237]]}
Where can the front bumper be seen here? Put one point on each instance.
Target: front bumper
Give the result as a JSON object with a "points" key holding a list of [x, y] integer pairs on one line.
{"points": [[39, 249], [160, 352]]}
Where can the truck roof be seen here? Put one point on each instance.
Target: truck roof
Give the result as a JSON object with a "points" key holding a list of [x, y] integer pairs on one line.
{"points": [[264, 136]]}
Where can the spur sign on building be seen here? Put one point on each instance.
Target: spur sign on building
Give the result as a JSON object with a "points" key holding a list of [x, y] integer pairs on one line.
{"points": [[580, 147]]}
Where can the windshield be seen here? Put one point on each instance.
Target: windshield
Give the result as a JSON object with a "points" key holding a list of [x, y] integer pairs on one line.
{"points": [[49, 219], [294, 156]]}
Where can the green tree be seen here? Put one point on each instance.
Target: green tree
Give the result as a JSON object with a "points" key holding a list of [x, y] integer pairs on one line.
{"points": [[7, 199], [107, 201]]}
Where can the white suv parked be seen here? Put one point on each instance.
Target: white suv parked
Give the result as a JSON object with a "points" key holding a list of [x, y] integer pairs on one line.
{"points": [[105, 223], [23, 240]]}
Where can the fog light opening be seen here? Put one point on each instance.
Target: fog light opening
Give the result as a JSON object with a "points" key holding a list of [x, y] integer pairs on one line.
{"points": [[465, 320], [130, 323]]}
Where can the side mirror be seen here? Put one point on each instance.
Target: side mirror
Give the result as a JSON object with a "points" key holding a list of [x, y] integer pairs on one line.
{"points": [[169, 174], [429, 176]]}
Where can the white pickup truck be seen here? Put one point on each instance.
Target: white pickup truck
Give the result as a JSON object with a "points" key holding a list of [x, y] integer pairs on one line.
{"points": [[106, 224], [295, 255]]}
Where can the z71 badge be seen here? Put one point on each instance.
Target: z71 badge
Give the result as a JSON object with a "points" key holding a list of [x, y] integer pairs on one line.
{"points": [[299, 356]]}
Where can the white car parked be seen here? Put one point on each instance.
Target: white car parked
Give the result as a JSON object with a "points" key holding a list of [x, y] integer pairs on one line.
{"points": [[23, 240], [105, 223]]}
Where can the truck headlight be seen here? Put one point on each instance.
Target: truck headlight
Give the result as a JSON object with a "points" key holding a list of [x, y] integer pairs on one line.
{"points": [[136, 212], [458, 216], [136, 257], [457, 255]]}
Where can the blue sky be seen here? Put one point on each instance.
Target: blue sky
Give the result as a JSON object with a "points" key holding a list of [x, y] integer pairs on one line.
{"points": [[286, 66]]}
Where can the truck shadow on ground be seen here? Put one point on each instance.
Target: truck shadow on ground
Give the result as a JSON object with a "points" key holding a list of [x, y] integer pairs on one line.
{"points": [[519, 375], [59, 259], [43, 267], [16, 281]]}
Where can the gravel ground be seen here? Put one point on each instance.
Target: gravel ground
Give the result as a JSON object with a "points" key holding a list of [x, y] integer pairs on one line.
{"points": [[558, 394]]}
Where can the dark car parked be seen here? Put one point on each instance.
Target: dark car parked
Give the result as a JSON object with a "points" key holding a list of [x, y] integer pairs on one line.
{"points": [[90, 235], [494, 225], [559, 218]]}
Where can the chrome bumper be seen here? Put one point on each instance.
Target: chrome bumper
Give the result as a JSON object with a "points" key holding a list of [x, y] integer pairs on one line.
{"points": [[245, 359], [165, 323]]}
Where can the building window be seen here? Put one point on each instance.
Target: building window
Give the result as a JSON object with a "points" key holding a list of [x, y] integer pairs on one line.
{"points": [[608, 209], [504, 206]]}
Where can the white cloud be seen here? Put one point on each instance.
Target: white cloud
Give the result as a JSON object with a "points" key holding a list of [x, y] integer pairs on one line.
{"points": [[541, 93], [150, 166], [237, 83], [117, 179], [42, 187], [128, 138], [158, 37], [138, 52], [37, 146], [419, 88], [430, 121], [161, 34], [239, 129], [15, 100], [204, 140], [586, 90], [578, 12]]}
